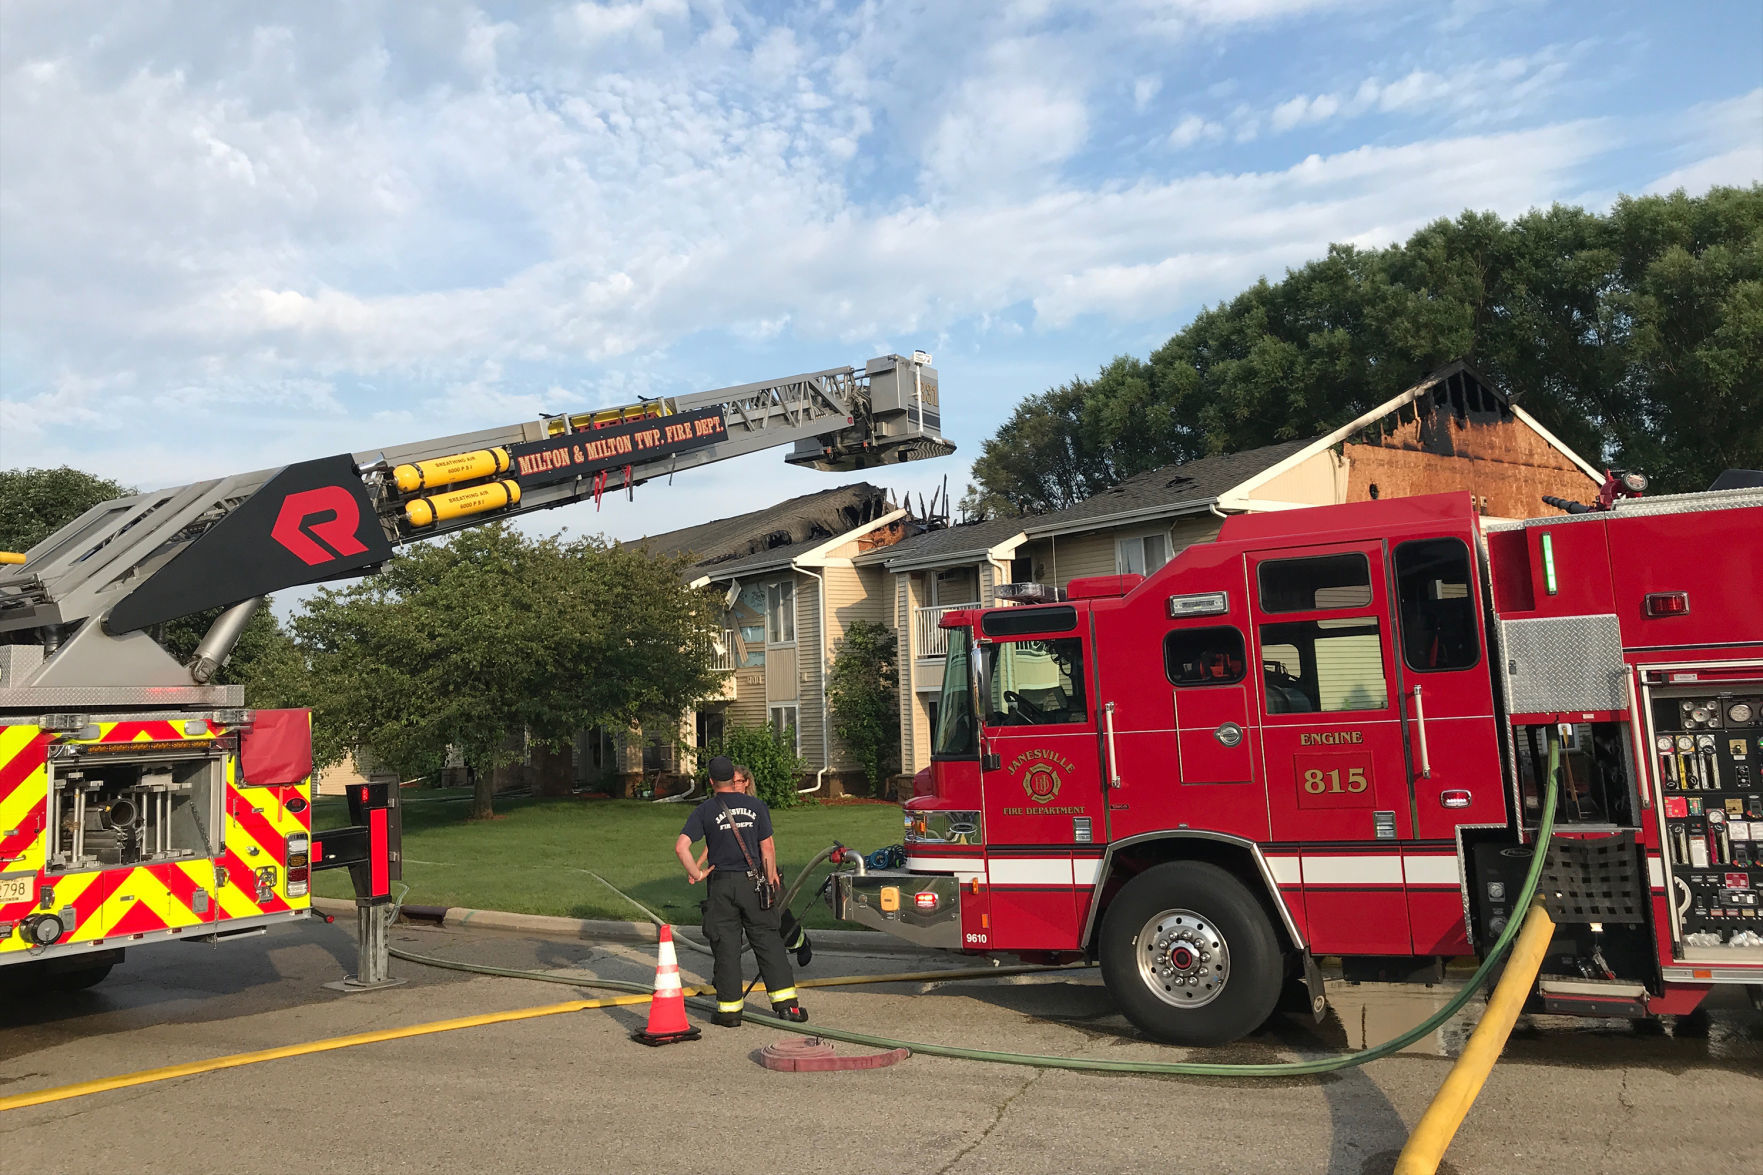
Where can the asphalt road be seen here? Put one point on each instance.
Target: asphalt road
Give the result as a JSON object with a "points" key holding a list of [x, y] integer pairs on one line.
{"points": [[572, 1093]]}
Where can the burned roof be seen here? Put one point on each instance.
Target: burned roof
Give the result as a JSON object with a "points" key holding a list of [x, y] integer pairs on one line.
{"points": [[771, 535], [1202, 480], [973, 538]]}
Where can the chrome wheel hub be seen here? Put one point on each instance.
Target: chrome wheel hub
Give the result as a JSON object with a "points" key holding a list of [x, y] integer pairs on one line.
{"points": [[1182, 958]]}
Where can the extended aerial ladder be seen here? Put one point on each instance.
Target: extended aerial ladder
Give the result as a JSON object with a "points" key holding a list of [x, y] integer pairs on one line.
{"points": [[127, 779], [74, 612]]}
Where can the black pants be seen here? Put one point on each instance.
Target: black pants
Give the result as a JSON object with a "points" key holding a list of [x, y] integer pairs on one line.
{"points": [[732, 907]]}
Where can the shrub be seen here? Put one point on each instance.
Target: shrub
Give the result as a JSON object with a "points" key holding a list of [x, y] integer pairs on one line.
{"points": [[863, 692], [771, 758]]}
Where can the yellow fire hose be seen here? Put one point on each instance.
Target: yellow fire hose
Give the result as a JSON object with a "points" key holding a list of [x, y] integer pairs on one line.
{"points": [[192, 1068], [19, 1101], [1426, 1146]]}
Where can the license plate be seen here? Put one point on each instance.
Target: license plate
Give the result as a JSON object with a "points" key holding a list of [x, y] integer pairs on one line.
{"points": [[16, 889]]}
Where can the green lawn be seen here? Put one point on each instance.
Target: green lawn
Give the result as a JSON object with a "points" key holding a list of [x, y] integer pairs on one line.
{"points": [[531, 859]]}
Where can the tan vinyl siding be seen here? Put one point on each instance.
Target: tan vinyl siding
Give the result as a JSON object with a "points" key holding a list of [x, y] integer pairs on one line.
{"points": [[780, 673], [807, 671], [903, 633], [1192, 528], [1074, 556], [988, 584], [852, 594], [748, 708], [1318, 480]]}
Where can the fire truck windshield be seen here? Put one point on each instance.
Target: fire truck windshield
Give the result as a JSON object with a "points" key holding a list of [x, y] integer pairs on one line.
{"points": [[954, 735]]}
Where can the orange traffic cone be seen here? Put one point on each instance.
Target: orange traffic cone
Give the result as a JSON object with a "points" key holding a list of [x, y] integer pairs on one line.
{"points": [[667, 1009]]}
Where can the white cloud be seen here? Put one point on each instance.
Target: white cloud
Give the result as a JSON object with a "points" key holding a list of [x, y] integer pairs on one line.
{"points": [[1010, 126], [341, 231], [1193, 129], [1224, 231], [1725, 143], [1474, 93]]}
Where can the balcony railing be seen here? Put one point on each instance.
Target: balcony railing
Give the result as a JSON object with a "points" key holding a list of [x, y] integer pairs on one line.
{"points": [[723, 658], [928, 641]]}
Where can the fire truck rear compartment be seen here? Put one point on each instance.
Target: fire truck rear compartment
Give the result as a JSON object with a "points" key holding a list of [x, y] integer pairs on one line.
{"points": [[109, 812]]}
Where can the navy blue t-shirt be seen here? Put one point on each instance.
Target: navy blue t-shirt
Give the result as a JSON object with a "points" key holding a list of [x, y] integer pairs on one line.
{"points": [[709, 824]]}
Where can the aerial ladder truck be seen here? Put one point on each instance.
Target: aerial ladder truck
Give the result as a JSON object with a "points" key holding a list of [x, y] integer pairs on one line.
{"points": [[143, 802]]}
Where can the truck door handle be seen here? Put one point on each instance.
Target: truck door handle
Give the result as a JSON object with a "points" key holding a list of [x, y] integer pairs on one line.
{"points": [[1420, 732], [1113, 760]]}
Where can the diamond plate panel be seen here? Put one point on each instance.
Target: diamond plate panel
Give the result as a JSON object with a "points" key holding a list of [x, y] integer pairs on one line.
{"points": [[96, 697], [1562, 663]]}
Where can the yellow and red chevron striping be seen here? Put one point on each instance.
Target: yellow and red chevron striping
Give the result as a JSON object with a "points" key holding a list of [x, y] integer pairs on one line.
{"points": [[23, 797], [127, 732]]}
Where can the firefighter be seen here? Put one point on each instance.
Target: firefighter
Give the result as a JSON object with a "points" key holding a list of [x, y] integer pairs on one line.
{"points": [[794, 936], [736, 831]]}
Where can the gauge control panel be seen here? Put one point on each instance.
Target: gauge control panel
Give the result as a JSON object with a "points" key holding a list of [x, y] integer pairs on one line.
{"points": [[1708, 752]]}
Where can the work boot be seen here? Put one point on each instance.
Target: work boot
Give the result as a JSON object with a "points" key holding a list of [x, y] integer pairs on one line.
{"points": [[791, 1011], [804, 952], [726, 1019]]}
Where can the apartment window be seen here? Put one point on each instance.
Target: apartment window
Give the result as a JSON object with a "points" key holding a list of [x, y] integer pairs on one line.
{"points": [[780, 613], [783, 723], [749, 620], [1142, 554]]}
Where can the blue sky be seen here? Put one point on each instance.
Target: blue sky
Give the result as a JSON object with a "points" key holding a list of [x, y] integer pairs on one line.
{"points": [[233, 236]]}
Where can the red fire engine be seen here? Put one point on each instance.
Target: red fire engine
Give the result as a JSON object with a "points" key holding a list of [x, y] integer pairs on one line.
{"points": [[1322, 734]]}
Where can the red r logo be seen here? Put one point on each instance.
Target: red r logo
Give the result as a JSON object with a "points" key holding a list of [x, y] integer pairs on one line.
{"points": [[319, 525]]}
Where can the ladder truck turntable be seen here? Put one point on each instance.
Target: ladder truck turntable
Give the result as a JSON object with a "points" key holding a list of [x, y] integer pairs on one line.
{"points": [[141, 802], [1324, 733]]}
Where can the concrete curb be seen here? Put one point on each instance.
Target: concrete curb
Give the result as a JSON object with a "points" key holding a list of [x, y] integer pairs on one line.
{"points": [[859, 942]]}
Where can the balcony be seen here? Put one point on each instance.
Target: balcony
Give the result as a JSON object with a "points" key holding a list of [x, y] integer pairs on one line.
{"points": [[723, 653], [929, 642]]}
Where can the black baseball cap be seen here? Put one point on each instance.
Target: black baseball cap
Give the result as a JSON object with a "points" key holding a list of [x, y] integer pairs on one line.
{"points": [[722, 769]]}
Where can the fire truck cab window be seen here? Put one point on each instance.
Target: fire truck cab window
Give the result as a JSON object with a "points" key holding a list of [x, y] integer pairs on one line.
{"points": [[1315, 666], [1204, 656], [1439, 629], [952, 730], [1313, 585], [1035, 683]]}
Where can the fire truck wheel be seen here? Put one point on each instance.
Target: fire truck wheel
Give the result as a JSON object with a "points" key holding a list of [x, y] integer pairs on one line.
{"points": [[82, 978], [1189, 955]]}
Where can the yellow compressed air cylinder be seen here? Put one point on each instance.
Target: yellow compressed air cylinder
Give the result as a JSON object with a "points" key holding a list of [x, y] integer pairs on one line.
{"points": [[446, 471], [458, 503]]}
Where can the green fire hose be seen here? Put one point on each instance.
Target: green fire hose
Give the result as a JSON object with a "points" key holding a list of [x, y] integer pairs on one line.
{"points": [[1545, 829]]}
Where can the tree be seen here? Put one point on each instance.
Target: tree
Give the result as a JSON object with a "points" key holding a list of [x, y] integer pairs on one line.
{"points": [[464, 642], [35, 503], [863, 692], [1627, 334]]}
